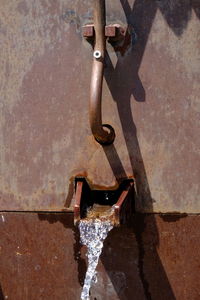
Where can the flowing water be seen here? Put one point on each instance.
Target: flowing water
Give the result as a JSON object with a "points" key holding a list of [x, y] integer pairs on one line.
{"points": [[92, 234]]}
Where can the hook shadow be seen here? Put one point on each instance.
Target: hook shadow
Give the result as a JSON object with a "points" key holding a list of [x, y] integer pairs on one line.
{"points": [[124, 82], [1, 293]]}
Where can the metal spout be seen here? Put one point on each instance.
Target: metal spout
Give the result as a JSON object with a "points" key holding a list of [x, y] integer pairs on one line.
{"points": [[115, 205]]}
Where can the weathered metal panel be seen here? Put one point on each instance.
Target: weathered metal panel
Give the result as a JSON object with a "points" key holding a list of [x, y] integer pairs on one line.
{"points": [[156, 257], [150, 97]]}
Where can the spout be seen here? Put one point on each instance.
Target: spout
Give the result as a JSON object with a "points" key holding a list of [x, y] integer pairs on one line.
{"points": [[103, 133], [114, 205]]}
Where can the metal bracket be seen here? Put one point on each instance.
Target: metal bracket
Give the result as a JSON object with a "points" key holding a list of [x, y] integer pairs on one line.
{"points": [[112, 30], [118, 36]]}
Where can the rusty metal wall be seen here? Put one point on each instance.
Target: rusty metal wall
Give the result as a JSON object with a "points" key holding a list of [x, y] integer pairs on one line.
{"points": [[150, 97], [155, 258]]}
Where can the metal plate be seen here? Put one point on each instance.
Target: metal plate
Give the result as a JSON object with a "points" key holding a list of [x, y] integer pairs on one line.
{"points": [[150, 97], [156, 257]]}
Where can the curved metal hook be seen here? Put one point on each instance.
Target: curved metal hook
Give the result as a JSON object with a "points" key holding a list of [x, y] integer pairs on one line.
{"points": [[102, 136]]}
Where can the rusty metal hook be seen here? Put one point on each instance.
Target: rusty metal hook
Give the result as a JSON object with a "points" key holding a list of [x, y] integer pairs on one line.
{"points": [[103, 133]]}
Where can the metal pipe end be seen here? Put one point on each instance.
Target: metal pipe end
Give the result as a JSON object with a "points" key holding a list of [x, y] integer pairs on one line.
{"points": [[108, 137]]}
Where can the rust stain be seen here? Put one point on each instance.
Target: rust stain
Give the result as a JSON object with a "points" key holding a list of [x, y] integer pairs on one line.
{"points": [[152, 257]]}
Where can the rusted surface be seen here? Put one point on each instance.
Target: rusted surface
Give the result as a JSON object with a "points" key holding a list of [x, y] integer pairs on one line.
{"points": [[77, 204], [156, 257], [151, 98], [88, 30], [121, 206], [110, 30]]}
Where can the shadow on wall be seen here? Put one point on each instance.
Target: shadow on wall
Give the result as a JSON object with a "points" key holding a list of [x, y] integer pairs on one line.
{"points": [[177, 13], [1, 294], [123, 81]]}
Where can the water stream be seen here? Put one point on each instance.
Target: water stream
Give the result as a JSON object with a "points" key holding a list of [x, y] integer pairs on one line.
{"points": [[92, 234]]}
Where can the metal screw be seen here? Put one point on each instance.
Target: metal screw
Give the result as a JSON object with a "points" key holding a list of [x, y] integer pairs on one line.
{"points": [[97, 54]]}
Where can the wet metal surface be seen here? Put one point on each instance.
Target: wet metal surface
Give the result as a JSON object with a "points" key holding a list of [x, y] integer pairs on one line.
{"points": [[156, 257], [151, 98]]}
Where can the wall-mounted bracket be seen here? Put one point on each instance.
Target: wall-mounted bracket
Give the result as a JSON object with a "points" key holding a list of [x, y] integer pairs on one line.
{"points": [[120, 37], [113, 30]]}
